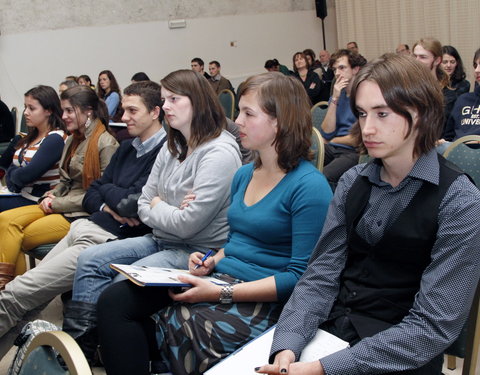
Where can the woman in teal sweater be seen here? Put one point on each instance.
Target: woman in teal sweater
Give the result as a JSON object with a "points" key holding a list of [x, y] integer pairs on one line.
{"points": [[278, 206]]}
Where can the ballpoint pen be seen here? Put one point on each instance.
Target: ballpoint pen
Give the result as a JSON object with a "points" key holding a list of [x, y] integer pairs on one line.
{"points": [[210, 252]]}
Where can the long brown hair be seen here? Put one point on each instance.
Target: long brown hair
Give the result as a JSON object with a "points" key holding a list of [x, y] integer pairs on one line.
{"points": [[114, 87], [285, 99], [48, 99], [83, 99], [208, 118]]}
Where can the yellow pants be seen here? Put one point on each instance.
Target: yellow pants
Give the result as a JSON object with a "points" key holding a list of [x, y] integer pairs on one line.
{"points": [[26, 228]]}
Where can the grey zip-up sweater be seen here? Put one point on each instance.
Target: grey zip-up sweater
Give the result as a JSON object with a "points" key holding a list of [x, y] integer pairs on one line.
{"points": [[207, 172]]}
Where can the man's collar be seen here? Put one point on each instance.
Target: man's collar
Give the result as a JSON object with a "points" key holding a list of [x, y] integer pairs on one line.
{"points": [[149, 144], [426, 168]]}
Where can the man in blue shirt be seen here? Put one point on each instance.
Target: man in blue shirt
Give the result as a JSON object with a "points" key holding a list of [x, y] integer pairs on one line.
{"points": [[340, 153]]}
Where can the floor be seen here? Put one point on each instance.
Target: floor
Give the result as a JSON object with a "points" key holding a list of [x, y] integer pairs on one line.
{"points": [[53, 313]]}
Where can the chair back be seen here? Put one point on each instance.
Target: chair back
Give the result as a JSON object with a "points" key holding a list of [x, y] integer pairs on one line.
{"points": [[23, 125], [319, 111], [318, 149], [42, 360], [467, 344], [38, 252], [41, 355], [14, 117], [465, 157], [472, 339], [227, 100]]}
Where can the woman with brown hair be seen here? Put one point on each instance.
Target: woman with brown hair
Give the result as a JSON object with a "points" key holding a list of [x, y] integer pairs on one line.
{"points": [[184, 201], [32, 160], [310, 80], [278, 204], [453, 65], [109, 91], [86, 154]]}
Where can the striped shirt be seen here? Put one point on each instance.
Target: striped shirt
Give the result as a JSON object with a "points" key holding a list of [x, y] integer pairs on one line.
{"points": [[24, 156]]}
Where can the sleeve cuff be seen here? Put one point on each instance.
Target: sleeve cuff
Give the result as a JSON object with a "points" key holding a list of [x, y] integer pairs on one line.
{"points": [[340, 363], [287, 341], [327, 136]]}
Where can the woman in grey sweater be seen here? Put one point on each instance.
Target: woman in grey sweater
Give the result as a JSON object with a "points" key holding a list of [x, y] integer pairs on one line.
{"points": [[185, 200]]}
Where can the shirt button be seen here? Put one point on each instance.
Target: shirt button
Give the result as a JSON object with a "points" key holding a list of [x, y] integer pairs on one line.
{"points": [[354, 294], [348, 310]]}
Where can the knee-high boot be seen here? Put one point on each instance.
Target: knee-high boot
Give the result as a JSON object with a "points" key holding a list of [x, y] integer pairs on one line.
{"points": [[80, 322], [7, 273]]}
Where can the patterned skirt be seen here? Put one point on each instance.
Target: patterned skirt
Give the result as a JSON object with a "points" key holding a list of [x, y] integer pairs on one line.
{"points": [[194, 337]]}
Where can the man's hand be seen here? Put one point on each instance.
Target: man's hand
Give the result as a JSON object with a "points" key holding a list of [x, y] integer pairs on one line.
{"points": [[130, 221], [285, 364], [339, 85]]}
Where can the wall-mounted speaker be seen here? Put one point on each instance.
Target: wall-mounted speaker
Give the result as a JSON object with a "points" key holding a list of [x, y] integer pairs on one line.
{"points": [[321, 6]]}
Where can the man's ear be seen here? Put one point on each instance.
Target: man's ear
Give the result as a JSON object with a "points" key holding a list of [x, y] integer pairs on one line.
{"points": [[414, 115], [156, 112]]}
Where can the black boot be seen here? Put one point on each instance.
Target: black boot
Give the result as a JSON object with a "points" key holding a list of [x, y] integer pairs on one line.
{"points": [[80, 322]]}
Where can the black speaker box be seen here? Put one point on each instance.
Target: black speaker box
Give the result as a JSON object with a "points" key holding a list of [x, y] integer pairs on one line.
{"points": [[321, 6]]}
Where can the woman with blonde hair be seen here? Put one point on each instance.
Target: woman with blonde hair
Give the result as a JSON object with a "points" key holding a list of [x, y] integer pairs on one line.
{"points": [[278, 204], [86, 154]]}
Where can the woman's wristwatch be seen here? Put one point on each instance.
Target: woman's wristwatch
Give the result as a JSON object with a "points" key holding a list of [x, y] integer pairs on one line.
{"points": [[226, 294]]}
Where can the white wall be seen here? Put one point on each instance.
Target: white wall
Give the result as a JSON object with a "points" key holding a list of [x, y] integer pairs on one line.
{"points": [[46, 57]]}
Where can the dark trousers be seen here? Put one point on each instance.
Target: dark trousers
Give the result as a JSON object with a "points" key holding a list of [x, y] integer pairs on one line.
{"points": [[9, 202], [338, 160], [342, 327], [126, 331]]}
